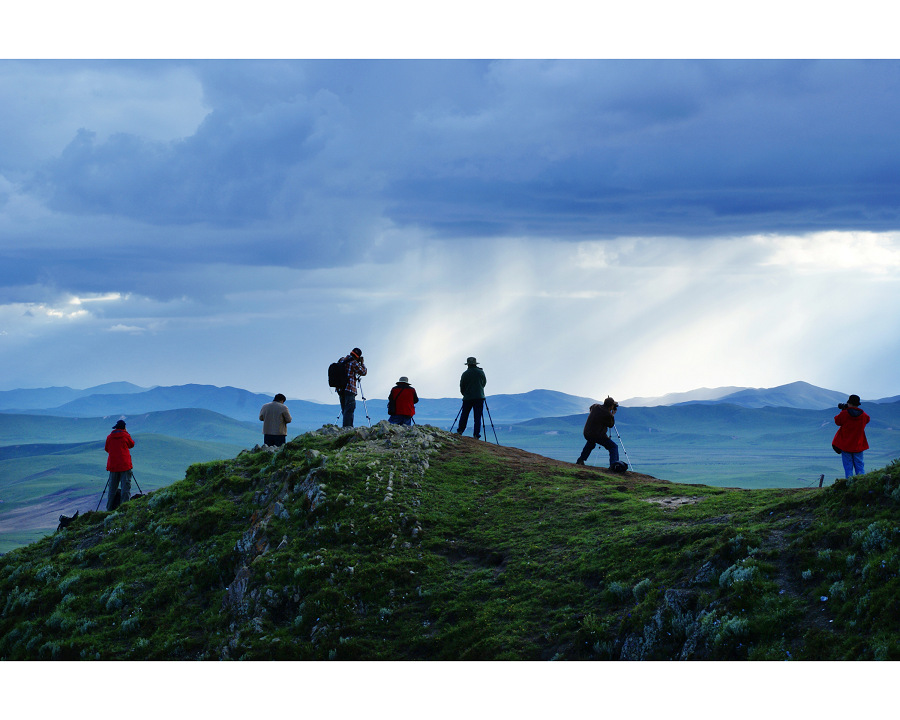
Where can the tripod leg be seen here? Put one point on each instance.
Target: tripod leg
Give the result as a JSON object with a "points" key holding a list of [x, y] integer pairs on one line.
{"points": [[623, 449], [492, 421], [453, 426], [102, 494], [363, 396], [136, 483]]}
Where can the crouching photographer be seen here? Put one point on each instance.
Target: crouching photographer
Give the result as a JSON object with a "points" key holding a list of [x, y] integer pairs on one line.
{"points": [[596, 432]]}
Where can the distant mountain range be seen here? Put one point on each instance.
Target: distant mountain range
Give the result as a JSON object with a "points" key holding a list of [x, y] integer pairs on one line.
{"points": [[51, 397], [699, 394], [244, 405], [128, 400], [799, 395]]}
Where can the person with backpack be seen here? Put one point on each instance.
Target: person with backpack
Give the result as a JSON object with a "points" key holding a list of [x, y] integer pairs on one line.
{"points": [[471, 386], [275, 417], [850, 439], [402, 402], [119, 465], [344, 376], [596, 432]]}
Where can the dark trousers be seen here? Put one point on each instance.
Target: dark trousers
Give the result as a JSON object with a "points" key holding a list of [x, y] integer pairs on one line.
{"points": [[400, 419], [348, 407], [478, 407], [115, 479], [606, 442], [274, 440]]}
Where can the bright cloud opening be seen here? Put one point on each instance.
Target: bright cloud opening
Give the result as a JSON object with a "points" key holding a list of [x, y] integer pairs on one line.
{"points": [[876, 254]]}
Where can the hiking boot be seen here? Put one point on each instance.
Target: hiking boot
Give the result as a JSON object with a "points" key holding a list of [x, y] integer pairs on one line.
{"points": [[579, 461]]}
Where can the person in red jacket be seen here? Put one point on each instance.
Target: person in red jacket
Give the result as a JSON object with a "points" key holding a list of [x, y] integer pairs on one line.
{"points": [[118, 444], [850, 439], [402, 402]]}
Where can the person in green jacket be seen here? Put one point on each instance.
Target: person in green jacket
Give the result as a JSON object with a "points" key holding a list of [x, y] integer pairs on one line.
{"points": [[471, 386]]}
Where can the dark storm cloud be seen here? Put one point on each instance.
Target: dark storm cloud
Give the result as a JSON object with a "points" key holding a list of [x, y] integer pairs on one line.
{"points": [[228, 173], [674, 148], [318, 160]]}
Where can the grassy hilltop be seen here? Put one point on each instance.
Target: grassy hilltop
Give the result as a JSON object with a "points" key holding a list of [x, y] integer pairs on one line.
{"points": [[393, 543]]}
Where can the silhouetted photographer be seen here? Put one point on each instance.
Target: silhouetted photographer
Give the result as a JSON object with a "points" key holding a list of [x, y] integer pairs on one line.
{"points": [[596, 431], [471, 387]]}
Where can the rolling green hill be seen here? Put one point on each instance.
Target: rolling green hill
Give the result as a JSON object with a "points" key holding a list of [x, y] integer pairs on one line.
{"points": [[411, 543], [36, 487], [188, 424], [40, 480]]}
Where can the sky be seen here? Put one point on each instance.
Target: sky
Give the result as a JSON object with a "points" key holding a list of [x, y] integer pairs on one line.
{"points": [[630, 227], [644, 224]]}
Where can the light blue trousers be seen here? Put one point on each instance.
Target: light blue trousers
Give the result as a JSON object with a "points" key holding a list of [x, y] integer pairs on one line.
{"points": [[853, 462]]}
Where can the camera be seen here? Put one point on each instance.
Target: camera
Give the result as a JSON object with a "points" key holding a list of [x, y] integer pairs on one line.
{"points": [[842, 406]]}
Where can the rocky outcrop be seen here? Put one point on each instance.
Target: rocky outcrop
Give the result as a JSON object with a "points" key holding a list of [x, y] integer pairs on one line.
{"points": [[392, 455]]}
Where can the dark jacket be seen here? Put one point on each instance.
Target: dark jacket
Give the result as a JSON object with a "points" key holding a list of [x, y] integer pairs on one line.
{"points": [[117, 444], [402, 400], [472, 382], [598, 423], [851, 435]]}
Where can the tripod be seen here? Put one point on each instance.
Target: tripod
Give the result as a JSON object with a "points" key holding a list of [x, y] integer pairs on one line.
{"points": [[363, 396], [459, 412], [482, 421], [107, 485], [102, 494], [492, 421], [623, 447]]}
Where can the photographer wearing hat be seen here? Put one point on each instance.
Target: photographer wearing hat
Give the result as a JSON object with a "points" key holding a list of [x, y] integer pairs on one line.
{"points": [[596, 432], [471, 386], [118, 444], [402, 402], [850, 439]]}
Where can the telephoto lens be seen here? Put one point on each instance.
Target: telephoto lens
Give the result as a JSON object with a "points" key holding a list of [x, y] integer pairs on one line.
{"points": [[842, 406]]}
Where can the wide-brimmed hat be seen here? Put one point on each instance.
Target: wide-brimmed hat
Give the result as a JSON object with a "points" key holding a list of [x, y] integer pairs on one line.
{"points": [[403, 379], [120, 425], [471, 361]]}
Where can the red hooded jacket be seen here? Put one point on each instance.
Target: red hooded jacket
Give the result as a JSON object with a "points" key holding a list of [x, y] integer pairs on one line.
{"points": [[851, 435], [117, 444]]}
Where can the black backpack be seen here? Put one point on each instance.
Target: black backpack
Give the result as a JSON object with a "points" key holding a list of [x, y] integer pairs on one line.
{"points": [[337, 374], [392, 400]]}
